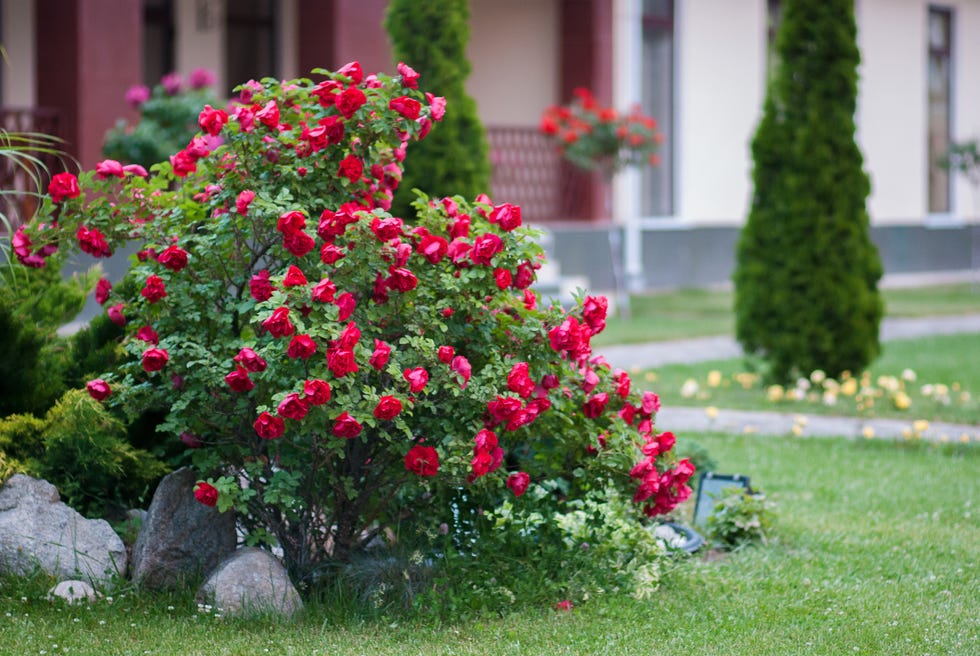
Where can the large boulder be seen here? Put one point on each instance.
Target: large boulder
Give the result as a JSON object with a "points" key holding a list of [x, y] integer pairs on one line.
{"points": [[38, 530], [181, 540], [251, 581]]}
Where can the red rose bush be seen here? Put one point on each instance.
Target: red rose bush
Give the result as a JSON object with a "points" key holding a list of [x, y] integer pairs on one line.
{"points": [[335, 370]]}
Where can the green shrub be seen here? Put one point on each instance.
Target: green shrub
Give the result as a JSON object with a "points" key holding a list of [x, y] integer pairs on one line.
{"points": [[806, 275], [432, 36], [739, 517], [168, 120], [21, 436], [87, 458]]}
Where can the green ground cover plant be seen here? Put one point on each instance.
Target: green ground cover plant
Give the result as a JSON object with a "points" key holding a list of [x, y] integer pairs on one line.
{"points": [[913, 379], [861, 562], [685, 313]]}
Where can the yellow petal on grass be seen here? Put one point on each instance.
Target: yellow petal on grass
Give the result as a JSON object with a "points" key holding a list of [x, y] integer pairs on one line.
{"points": [[849, 387], [920, 425], [711, 411], [868, 432], [714, 378]]}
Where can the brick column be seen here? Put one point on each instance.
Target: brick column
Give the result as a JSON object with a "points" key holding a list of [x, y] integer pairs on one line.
{"points": [[89, 52]]}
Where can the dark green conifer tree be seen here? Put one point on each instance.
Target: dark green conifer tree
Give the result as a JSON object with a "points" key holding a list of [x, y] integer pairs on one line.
{"points": [[431, 37], [807, 271]]}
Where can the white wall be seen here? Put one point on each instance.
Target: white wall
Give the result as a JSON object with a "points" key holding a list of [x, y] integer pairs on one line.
{"points": [[719, 88], [200, 39], [891, 115], [514, 50], [18, 41]]}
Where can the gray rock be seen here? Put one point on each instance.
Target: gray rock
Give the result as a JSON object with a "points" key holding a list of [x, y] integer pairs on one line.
{"points": [[73, 592], [181, 540], [250, 581], [38, 530]]}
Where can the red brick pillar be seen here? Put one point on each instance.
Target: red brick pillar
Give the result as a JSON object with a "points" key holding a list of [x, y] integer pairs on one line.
{"points": [[89, 52]]}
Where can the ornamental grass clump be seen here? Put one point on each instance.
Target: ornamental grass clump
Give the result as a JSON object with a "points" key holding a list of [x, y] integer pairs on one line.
{"points": [[337, 373]]}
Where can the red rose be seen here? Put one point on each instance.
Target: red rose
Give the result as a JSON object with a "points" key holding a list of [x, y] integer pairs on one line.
{"points": [[324, 291], [422, 460], [407, 107], [417, 378], [433, 248], [330, 253], [461, 366], [269, 115], [251, 360], [350, 100], [212, 120], [650, 403], [401, 279], [347, 303], [116, 315], [154, 359], [437, 106], [445, 354], [316, 391], [291, 222], [154, 289], [595, 405], [507, 216], [594, 310], [388, 228], [191, 441], [294, 277], [341, 362], [352, 70], [388, 408], [63, 185], [108, 168], [518, 482], [410, 78], [183, 163], [98, 389], [525, 276], [92, 242], [381, 354], [298, 243], [351, 168], [301, 346], [485, 247], [102, 289], [346, 426], [502, 278], [278, 323], [259, 286], [173, 257], [519, 380], [244, 199], [206, 494], [239, 381], [148, 335], [269, 427], [292, 407]]}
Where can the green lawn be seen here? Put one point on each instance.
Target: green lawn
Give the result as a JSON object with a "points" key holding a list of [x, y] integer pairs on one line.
{"points": [[699, 312], [876, 550], [942, 360]]}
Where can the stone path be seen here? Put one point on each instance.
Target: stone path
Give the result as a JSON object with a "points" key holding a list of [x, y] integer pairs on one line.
{"points": [[642, 356]]}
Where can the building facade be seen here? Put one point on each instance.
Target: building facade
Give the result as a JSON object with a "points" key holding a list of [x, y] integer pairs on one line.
{"points": [[698, 66]]}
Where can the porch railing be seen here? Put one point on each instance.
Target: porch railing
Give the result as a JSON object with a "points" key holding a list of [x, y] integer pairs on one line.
{"points": [[16, 184], [527, 170]]}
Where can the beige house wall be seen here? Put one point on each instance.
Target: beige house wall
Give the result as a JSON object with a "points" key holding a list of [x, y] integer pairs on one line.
{"points": [[17, 18], [514, 53]]}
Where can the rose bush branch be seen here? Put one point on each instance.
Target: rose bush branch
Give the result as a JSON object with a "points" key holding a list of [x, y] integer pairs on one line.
{"points": [[332, 369]]}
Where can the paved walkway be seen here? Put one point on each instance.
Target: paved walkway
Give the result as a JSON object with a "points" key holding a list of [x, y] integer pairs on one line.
{"points": [[771, 423]]}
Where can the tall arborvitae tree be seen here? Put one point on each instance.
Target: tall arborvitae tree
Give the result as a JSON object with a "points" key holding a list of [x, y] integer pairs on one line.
{"points": [[431, 37], [806, 276]]}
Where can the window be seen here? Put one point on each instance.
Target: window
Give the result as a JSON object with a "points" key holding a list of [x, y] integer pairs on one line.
{"points": [[158, 40], [939, 98], [251, 41], [657, 85]]}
